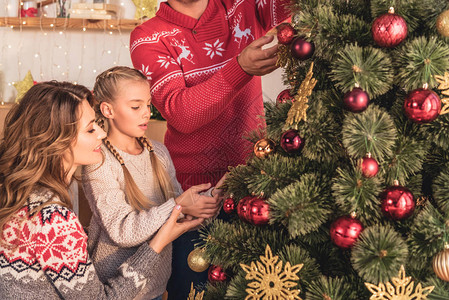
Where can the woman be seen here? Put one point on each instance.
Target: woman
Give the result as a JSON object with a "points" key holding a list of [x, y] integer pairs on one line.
{"points": [[42, 244]]}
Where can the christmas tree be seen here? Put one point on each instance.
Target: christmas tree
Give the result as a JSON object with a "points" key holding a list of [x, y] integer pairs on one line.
{"points": [[347, 193]]}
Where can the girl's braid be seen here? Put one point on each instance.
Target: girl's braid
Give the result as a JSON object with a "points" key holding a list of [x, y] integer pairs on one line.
{"points": [[114, 152]]}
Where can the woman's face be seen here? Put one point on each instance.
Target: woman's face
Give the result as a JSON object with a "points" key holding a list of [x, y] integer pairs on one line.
{"points": [[86, 148]]}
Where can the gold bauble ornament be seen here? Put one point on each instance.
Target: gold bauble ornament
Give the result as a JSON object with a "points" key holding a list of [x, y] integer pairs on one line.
{"points": [[441, 264], [197, 260], [443, 23], [263, 148]]}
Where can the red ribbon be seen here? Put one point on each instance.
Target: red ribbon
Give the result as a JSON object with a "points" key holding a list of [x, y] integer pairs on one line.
{"points": [[30, 12]]}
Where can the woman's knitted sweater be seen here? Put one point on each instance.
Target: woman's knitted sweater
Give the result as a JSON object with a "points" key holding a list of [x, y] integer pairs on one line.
{"points": [[117, 230], [49, 259]]}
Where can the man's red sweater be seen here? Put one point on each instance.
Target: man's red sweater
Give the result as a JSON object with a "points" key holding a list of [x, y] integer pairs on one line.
{"points": [[209, 102]]}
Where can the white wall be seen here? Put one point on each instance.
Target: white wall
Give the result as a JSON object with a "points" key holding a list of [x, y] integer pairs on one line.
{"points": [[73, 55]]}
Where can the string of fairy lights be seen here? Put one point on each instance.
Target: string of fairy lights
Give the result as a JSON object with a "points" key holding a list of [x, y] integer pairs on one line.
{"points": [[59, 52]]}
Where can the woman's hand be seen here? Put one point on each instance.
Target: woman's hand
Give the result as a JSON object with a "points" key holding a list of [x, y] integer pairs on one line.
{"points": [[197, 205], [172, 229]]}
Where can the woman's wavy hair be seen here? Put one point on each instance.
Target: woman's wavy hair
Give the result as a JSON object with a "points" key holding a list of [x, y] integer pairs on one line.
{"points": [[105, 89], [38, 133]]}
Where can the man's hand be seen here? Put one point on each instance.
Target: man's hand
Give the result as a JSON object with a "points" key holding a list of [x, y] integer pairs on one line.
{"points": [[257, 61]]}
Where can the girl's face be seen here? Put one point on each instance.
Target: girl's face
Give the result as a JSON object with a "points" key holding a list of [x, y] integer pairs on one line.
{"points": [[86, 148], [130, 110]]}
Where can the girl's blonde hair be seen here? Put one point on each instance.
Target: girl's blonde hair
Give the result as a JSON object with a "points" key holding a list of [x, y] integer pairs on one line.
{"points": [[105, 89], [37, 134]]}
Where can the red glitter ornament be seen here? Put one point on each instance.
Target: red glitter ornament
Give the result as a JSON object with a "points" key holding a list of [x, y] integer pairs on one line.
{"points": [[258, 211], [285, 33], [369, 166], [422, 106], [216, 274], [284, 96], [229, 206], [302, 49], [397, 202], [389, 29], [345, 230], [356, 100]]}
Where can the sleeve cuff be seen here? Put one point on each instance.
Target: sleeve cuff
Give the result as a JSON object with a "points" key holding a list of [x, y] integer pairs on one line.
{"points": [[235, 75], [145, 254], [166, 208]]}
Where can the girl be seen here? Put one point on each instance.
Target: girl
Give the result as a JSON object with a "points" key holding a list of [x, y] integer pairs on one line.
{"points": [[42, 244], [132, 193]]}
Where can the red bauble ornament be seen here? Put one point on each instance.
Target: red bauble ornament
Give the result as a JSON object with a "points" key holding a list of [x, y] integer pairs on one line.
{"points": [[422, 106], [291, 142], [284, 96], [216, 274], [285, 33], [369, 166], [302, 49], [389, 30], [345, 231], [356, 100], [258, 211], [229, 206], [397, 202], [242, 208]]}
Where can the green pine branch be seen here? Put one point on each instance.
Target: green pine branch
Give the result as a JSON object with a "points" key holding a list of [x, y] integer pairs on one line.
{"points": [[370, 131], [330, 288], [368, 67], [419, 60], [355, 193], [406, 161], [427, 236], [302, 206], [379, 253]]}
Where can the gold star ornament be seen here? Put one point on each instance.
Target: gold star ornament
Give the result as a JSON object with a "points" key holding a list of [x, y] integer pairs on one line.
{"points": [[401, 289], [444, 87], [23, 86], [145, 8], [270, 280]]}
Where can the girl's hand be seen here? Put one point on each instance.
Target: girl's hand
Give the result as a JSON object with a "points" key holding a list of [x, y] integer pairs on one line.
{"points": [[197, 205], [172, 229]]}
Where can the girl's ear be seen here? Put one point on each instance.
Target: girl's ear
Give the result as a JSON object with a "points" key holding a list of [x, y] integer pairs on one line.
{"points": [[107, 110]]}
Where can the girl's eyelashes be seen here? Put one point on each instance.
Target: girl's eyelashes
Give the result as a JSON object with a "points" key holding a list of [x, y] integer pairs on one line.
{"points": [[135, 107], [91, 130]]}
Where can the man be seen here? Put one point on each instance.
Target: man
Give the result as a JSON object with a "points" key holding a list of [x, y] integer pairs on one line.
{"points": [[203, 59]]}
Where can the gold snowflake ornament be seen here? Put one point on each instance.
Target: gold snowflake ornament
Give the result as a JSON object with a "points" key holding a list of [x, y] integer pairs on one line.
{"points": [[444, 87], [269, 280], [401, 289], [192, 293]]}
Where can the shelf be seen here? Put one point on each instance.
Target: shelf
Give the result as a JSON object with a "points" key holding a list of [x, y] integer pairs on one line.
{"points": [[69, 23]]}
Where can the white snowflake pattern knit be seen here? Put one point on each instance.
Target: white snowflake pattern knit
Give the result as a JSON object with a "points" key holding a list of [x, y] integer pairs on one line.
{"points": [[50, 259], [197, 84], [116, 230]]}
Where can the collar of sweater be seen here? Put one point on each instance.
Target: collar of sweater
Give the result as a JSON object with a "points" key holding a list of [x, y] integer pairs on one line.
{"points": [[180, 19]]}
